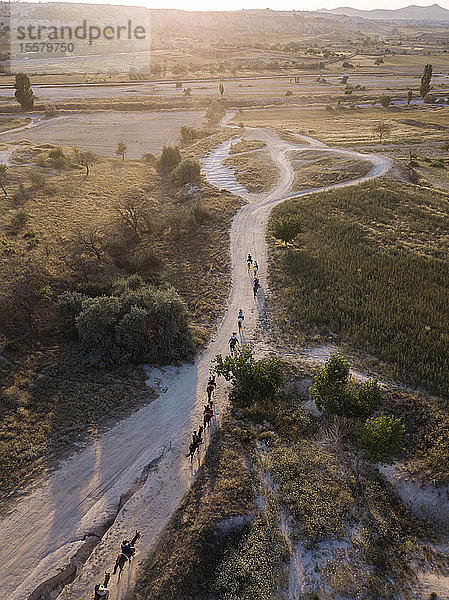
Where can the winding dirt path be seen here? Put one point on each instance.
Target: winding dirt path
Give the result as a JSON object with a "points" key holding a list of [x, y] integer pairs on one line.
{"points": [[67, 530]]}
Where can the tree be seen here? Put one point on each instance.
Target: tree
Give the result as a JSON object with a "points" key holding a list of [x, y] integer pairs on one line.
{"points": [[170, 157], [136, 322], [132, 214], [287, 228], [379, 61], [121, 149], [23, 94], [187, 171], [382, 437], [252, 380], [381, 128], [334, 393], [409, 97], [424, 88], [3, 170], [385, 100], [57, 158], [85, 158], [221, 89], [344, 79]]}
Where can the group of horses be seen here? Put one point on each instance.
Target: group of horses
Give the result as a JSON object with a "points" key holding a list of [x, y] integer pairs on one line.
{"points": [[207, 418], [101, 591]]}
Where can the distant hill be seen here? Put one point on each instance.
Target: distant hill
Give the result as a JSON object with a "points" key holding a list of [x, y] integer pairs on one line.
{"points": [[408, 13]]}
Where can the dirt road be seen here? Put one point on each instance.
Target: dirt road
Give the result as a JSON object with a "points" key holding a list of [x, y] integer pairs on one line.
{"points": [[69, 527]]}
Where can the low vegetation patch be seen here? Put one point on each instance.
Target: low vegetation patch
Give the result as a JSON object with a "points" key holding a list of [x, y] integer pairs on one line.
{"points": [[326, 171], [255, 171], [247, 146]]}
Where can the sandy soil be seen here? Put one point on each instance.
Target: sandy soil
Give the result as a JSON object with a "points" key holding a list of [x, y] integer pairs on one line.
{"points": [[134, 476], [100, 132]]}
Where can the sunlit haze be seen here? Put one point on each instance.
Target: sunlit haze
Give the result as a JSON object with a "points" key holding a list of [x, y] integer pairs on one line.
{"points": [[201, 5]]}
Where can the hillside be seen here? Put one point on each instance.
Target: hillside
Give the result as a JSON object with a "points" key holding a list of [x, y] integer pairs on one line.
{"points": [[407, 13]]}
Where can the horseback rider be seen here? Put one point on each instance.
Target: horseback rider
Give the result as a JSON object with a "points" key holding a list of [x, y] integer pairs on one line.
{"points": [[195, 438], [127, 549], [101, 591], [233, 340], [256, 286], [240, 319], [211, 386], [255, 268], [249, 262]]}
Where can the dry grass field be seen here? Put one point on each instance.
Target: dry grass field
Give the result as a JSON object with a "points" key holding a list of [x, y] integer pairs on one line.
{"points": [[100, 132], [256, 171], [324, 169], [354, 128]]}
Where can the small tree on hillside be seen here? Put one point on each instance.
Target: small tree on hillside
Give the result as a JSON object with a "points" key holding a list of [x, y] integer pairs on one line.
{"points": [[252, 380], [382, 437], [85, 158], [424, 88], [121, 149], [385, 100], [170, 157], [3, 170], [334, 393], [287, 228], [187, 171], [379, 61], [381, 128], [409, 97], [221, 89], [24, 94]]}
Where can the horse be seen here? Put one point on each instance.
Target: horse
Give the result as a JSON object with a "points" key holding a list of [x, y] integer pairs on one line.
{"points": [[101, 591], [207, 418], [210, 389], [255, 288], [122, 558], [193, 447]]}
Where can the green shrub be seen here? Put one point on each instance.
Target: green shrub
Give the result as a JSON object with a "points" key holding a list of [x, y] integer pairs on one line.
{"points": [[69, 306], [58, 159], [19, 219], [252, 380], [334, 393], [150, 159], [187, 171], [37, 179], [287, 228], [437, 164], [215, 112], [136, 322], [21, 195], [169, 159], [382, 437], [252, 564], [385, 100]]}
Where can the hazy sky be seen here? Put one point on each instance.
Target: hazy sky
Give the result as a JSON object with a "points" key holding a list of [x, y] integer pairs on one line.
{"points": [[273, 4]]}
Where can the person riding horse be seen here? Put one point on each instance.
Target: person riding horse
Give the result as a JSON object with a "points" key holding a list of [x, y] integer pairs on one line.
{"points": [[256, 286], [195, 443], [208, 414], [127, 551], [101, 591], [240, 319], [233, 340], [211, 386]]}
